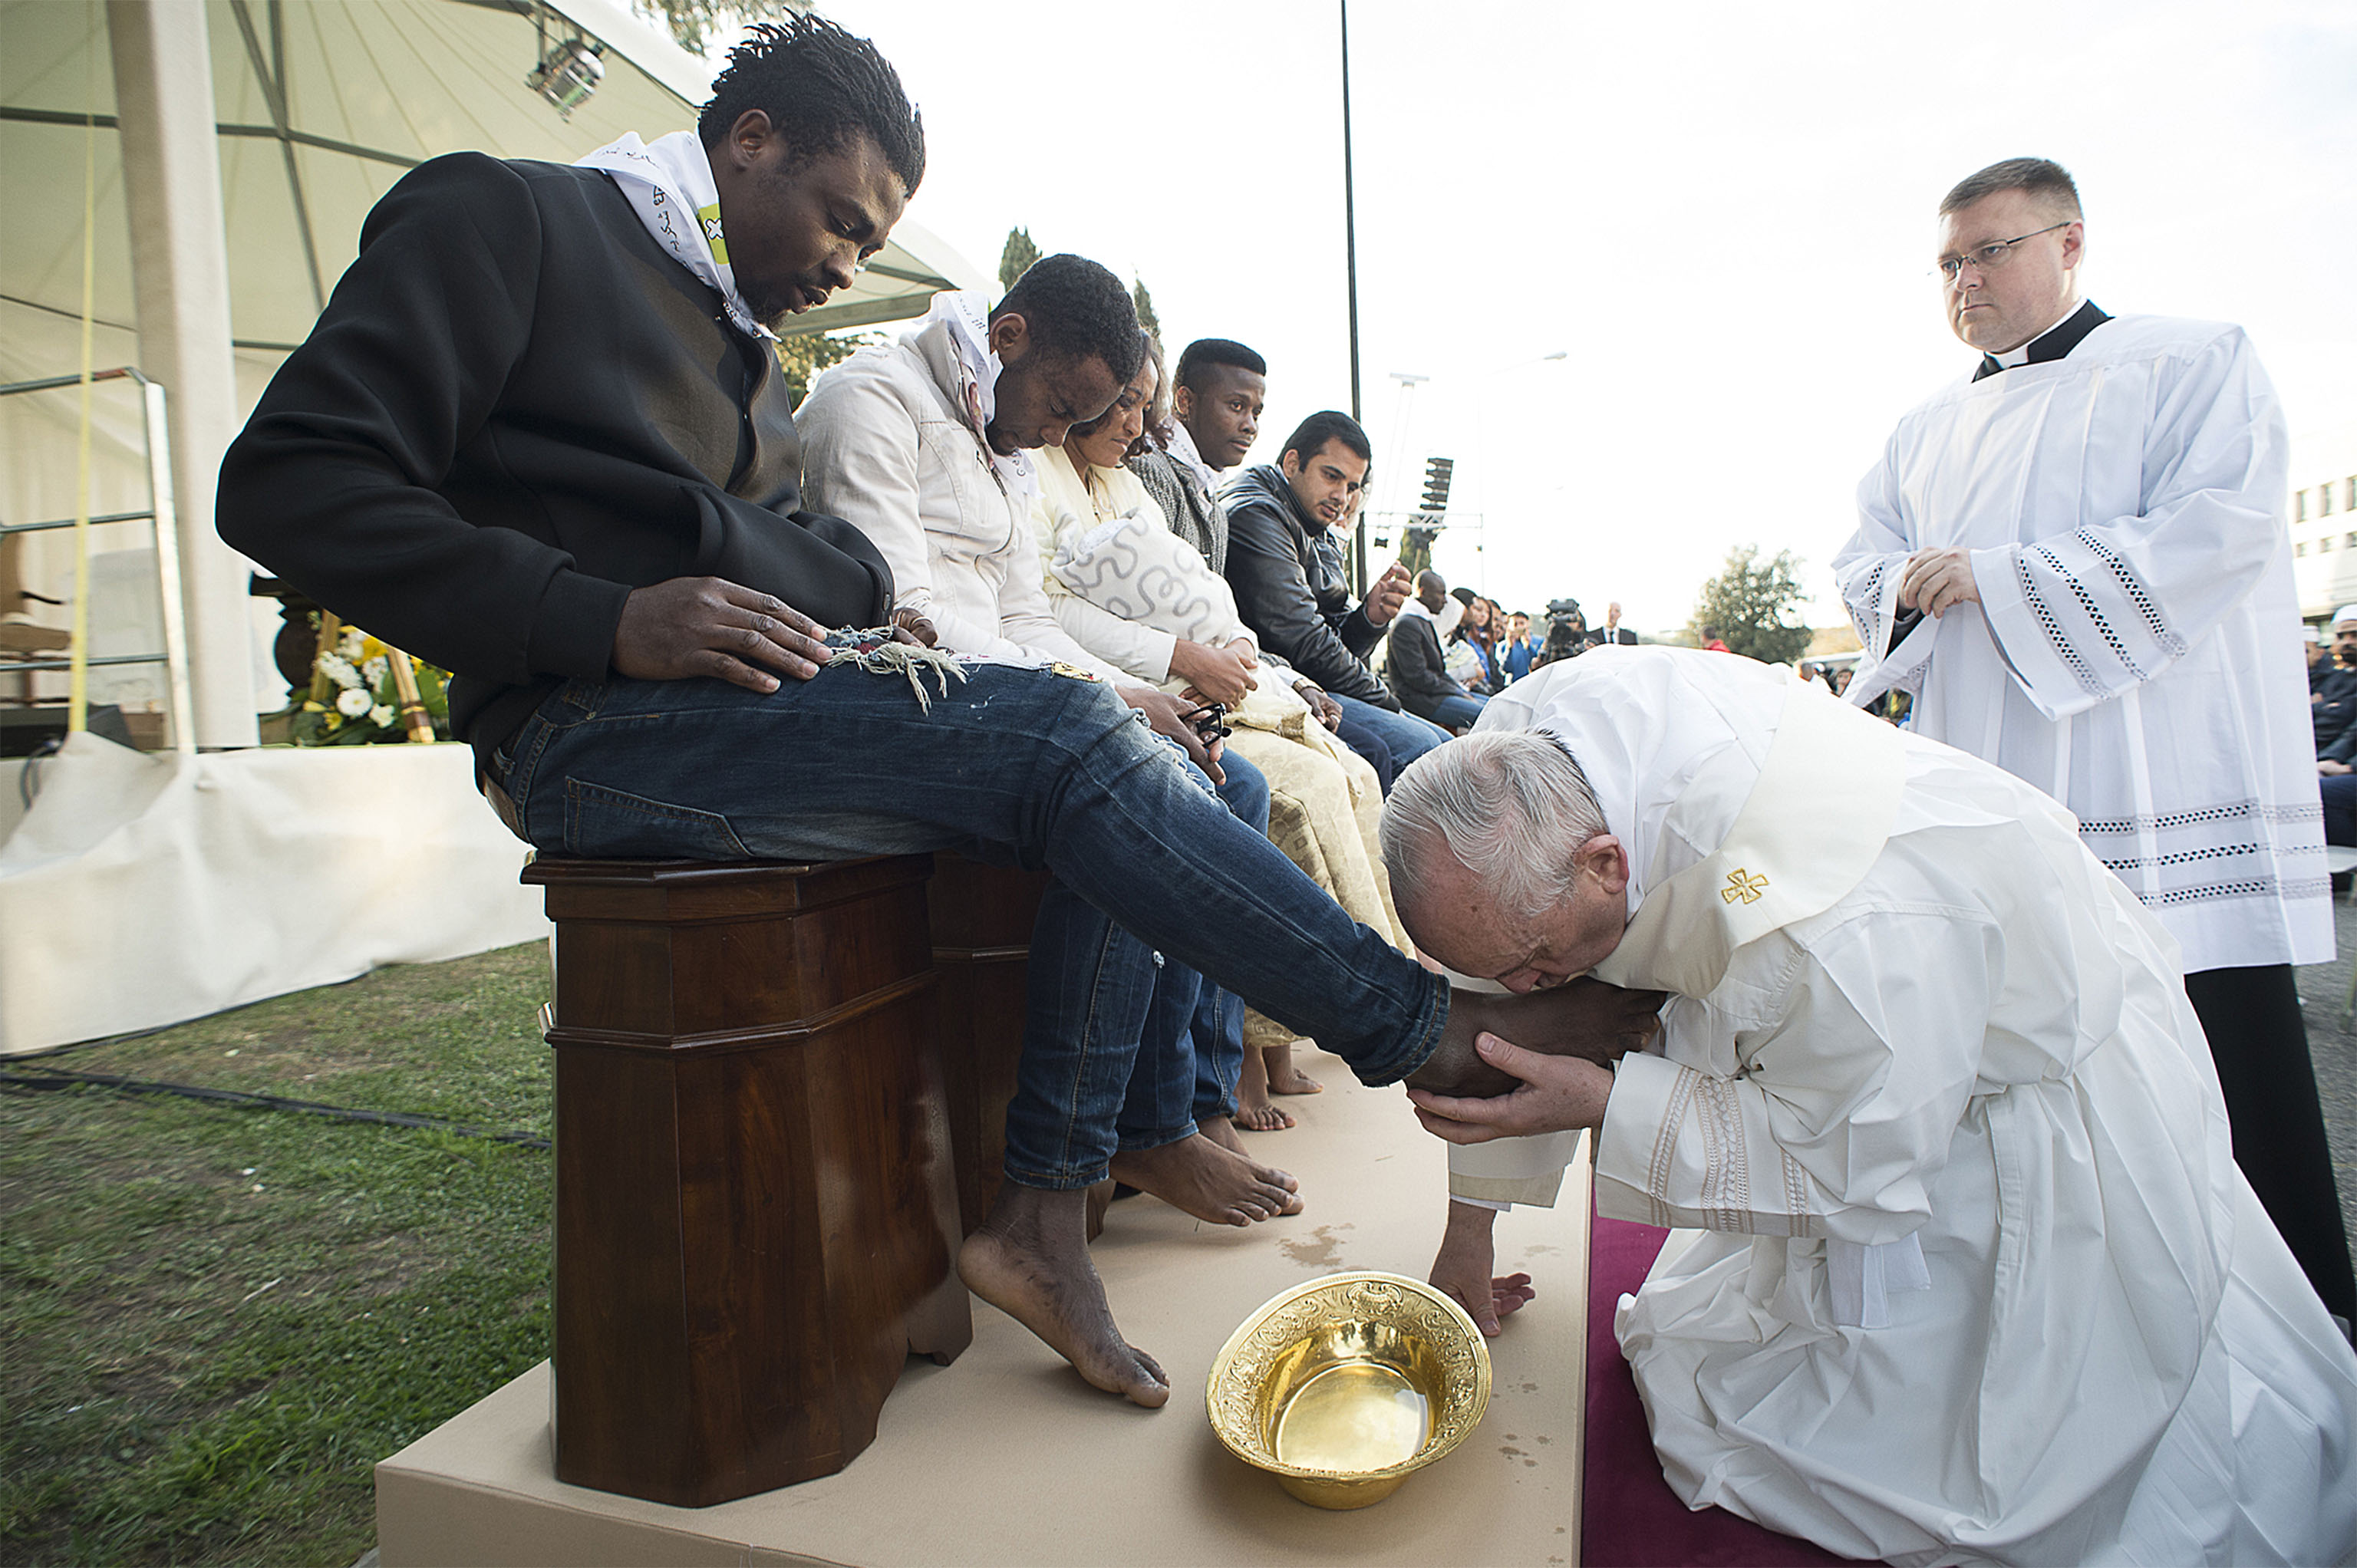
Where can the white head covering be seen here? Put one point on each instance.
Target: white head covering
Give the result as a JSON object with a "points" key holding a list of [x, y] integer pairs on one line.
{"points": [[669, 182], [2344, 614]]}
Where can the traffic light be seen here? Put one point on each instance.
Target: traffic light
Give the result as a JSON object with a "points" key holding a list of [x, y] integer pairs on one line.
{"points": [[1436, 474]]}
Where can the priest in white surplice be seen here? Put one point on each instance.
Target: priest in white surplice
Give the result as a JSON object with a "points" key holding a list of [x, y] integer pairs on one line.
{"points": [[2077, 563], [1978, 1278]]}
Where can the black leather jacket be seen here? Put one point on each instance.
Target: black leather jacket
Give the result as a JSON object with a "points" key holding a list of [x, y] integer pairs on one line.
{"points": [[1292, 593]]}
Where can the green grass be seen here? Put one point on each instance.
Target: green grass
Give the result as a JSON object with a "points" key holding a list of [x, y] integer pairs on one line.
{"points": [[216, 1320]]}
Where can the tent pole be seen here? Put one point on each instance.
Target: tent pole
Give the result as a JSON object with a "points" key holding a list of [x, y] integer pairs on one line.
{"points": [[179, 271]]}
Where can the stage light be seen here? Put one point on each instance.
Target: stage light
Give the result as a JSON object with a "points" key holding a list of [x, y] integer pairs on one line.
{"points": [[568, 72]]}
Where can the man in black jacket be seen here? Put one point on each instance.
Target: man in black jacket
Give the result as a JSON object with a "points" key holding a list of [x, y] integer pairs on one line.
{"points": [[1292, 593], [538, 436], [2332, 689], [1416, 667]]}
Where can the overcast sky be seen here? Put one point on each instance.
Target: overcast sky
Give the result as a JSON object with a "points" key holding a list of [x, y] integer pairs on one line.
{"points": [[1722, 211]]}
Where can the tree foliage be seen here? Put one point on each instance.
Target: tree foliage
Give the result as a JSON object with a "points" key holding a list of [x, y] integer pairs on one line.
{"points": [[1145, 302], [693, 22], [804, 354], [1415, 549], [1016, 258], [1746, 601]]}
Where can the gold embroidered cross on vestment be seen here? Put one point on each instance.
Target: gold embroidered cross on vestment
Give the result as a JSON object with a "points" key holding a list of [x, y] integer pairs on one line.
{"points": [[1743, 886]]}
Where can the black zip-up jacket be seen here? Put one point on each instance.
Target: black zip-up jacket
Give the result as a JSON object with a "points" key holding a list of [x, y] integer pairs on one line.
{"points": [[1294, 597], [516, 409], [1418, 671], [2334, 711]]}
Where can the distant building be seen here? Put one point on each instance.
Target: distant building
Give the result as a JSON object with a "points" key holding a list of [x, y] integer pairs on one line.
{"points": [[2323, 512]]}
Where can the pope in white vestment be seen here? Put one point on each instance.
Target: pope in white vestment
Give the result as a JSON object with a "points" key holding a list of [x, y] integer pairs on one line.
{"points": [[1975, 1276]]}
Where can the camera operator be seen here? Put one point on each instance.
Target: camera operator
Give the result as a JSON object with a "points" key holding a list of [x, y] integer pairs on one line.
{"points": [[1566, 635]]}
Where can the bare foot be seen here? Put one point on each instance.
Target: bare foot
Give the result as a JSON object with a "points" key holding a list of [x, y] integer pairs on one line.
{"points": [[1100, 1198], [1254, 1111], [1284, 1078], [1196, 1176], [1028, 1259], [1221, 1131], [1581, 1017]]}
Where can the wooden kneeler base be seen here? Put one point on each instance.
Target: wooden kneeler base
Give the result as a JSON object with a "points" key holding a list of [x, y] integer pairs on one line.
{"points": [[758, 1195]]}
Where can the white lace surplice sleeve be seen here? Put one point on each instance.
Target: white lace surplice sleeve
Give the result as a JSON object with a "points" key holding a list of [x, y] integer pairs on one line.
{"points": [[2083, 616], [1867, 568], [1840, 1119]]}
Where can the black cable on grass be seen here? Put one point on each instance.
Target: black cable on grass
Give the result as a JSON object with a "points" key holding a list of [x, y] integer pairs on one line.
{"points": [[57, 1077]]}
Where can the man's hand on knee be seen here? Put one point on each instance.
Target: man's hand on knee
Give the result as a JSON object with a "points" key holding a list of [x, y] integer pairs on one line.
{"points": [[692, 627], [1167, 714]]}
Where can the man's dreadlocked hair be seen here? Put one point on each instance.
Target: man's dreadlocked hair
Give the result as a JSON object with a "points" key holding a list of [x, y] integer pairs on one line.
{"points": [[820, 87], [1075, 307]]}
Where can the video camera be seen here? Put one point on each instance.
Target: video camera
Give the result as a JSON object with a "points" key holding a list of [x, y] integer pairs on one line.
{"points": [[1566, 635]]}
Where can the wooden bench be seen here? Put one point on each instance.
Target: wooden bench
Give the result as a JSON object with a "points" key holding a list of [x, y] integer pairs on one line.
{"points": [[775, 1121]]}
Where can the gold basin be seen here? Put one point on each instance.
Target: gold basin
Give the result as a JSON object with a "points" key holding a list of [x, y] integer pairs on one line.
{"points": [[1344, 1387]]}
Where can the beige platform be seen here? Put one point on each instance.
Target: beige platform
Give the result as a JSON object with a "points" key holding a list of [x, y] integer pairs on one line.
{"points": [[1007, 1457]]}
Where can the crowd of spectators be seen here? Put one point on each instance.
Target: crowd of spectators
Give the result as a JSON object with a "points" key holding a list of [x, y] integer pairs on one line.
{"points": [[1451, 650]]}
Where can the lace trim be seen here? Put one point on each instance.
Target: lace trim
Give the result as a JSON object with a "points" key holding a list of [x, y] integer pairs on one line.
{"points": [[1796, 1195], [1864, 602], [2182, 857], [2283, 889], [2079, 670], [2133, 585], [1665, 1146], [2094, 611], [1727, 1175], [2235, 810]]}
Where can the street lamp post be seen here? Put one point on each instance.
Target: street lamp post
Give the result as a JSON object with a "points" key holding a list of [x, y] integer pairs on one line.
{"points": [[1350, 263]]}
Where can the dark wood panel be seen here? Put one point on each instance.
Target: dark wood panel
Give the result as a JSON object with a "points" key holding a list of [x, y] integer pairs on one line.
{"points": [[757, 1198]]}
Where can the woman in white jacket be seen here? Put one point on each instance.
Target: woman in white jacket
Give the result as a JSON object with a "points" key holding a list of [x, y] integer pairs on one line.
{"points": [[1127, 587]]}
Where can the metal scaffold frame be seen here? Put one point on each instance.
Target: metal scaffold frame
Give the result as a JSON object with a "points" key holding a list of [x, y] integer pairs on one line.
{"points": [[163, 522]]}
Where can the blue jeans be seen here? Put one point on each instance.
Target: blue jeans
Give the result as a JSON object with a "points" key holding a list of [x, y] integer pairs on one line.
{"points": [[1369, 745], [1458, 711], [1015, 766], [1180, 1074], [1408, 737]]}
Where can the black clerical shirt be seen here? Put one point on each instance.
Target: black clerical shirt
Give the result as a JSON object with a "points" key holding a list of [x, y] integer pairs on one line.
{"points": [[2055, 342]]}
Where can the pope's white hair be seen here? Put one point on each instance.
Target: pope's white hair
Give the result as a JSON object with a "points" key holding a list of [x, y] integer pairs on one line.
{"points": [[1512, 807]]}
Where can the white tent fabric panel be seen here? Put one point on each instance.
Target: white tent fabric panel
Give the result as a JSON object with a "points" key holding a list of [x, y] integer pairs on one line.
{"points": [[146, 889]]}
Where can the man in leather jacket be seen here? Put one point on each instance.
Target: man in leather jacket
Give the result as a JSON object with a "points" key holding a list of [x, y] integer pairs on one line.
{"points": [[1291, 587]]}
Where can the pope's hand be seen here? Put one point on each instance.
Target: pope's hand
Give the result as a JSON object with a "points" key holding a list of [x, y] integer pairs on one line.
{"points": [[1556, 1094], [1936, 581], [710, 627]]}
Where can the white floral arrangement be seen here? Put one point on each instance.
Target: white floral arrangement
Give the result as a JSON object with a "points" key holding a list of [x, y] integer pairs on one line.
{"points": [[354, 699]]}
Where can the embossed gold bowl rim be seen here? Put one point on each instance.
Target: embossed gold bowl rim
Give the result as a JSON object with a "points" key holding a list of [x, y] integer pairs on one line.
{"points": [[1242, 1419]]}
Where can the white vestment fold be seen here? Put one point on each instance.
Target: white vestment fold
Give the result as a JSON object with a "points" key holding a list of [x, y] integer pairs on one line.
{"points": [[2132, 653], [1980, 1282]]}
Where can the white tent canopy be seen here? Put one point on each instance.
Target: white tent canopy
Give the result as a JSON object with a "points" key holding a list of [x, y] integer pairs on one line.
{"points": [[320, 105], [320, 108]]}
